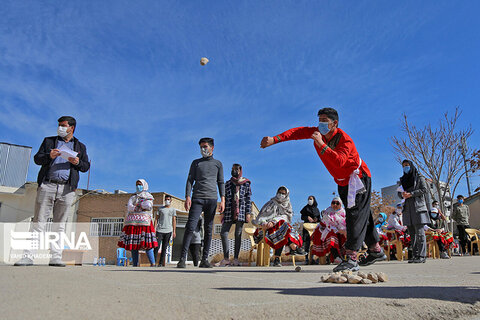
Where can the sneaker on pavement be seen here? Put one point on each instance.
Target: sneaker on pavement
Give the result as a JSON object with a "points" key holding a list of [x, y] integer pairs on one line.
{"points": [[235, 263], [24, 262], [181, 264], [373, 257], [204, 264], [224, 263], [276, 262], [350, 265], [419, 260], [56, 263], [444, 255]]}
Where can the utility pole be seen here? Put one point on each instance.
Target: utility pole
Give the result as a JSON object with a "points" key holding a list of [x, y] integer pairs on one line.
{"points": [[463, 150]]}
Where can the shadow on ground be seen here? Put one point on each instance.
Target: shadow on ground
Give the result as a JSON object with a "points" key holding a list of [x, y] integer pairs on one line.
{"points": [[469, 295]]}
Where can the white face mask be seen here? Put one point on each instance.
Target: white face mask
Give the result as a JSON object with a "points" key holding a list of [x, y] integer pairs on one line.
{"points": [[62, 131], [167, 202], [281, 196], [398, 210], [310, 202], [205, 152]]}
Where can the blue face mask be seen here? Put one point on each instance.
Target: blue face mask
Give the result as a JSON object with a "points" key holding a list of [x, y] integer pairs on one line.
{"points": [[406, 169], [139, 188], [460, 201], [380, 220], [323, 128], [434, 215]]}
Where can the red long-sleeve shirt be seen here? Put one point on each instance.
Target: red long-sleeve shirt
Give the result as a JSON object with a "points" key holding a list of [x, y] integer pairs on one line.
{"points": [[340, 157]]}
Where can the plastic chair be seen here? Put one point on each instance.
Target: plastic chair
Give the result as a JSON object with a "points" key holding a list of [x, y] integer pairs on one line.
{"points": [[122, 259], [433, 250], [474, 236]]}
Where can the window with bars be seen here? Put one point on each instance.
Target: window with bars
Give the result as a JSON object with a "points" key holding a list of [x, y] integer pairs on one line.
{"points": [[106, 227]]}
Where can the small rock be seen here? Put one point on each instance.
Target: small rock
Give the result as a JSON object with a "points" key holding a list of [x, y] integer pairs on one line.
{"points": [[372, 277], [341, 279], [347, 272], [382, 277], [324, 278], [354, 279], [362, 274], [333, 278], [366, 281]]}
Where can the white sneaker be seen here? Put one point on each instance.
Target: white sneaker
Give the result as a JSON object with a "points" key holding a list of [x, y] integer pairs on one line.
{"points": [[224, 263], [235, 263], [24, 262]]}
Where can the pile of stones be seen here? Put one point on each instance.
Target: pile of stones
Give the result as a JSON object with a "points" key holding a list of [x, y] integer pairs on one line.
{"points": [[350, 277]]}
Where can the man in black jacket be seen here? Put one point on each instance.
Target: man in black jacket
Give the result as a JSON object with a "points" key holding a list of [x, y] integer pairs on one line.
{"points": [[57, 181]]}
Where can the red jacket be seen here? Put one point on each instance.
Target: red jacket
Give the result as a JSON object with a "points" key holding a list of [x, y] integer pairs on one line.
{"points": [[340, 157]]}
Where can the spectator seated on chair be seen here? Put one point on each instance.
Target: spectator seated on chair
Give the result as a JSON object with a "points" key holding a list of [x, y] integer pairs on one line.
{"points": [[274, 221], [444, 239], [330, 235], [381, 224]]}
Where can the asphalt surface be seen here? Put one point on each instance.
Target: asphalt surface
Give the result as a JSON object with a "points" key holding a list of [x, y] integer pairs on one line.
{"points": [[438, 289]]}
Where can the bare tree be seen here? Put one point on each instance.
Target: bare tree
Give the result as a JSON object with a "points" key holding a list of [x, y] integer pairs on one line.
{"points": [[435, 150], [381, 204]]}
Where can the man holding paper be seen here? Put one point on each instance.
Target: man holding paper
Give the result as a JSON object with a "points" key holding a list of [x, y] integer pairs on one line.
{"points": [[61, 158]]}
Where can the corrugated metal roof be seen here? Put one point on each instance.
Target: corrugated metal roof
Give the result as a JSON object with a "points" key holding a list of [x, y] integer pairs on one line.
{"points": [[14, 161]]}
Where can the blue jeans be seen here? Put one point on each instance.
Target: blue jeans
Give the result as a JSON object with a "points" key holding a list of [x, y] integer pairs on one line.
{"points": [[208, 206], [150, 256]]}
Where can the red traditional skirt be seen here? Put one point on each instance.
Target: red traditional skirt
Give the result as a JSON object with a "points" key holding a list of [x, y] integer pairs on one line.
{"points": [[403, 237], [445, 237], [321, 248], [138, 237], [279, 235]]}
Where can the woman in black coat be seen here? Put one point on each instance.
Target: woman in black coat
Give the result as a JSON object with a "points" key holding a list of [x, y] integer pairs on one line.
{"points": [[415, 211], [310, 214]]}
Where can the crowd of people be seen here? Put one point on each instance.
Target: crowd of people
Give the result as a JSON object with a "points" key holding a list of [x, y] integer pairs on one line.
{"points": [[342, 230]]}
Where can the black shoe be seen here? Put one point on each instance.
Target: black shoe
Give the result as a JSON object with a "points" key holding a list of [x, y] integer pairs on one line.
{"points": [[411, 260], [195, 263], [276, 262], [419, 260], [372, 257], [307, 261], [56, 263], [349, 265], [205, 264], [299, 251], [181, 264]]}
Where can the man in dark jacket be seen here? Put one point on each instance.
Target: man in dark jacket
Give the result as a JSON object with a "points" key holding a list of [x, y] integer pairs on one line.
{"points": [[61, 158]]}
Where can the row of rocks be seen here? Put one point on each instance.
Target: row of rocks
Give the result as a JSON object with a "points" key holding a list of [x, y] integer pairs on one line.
{"points": [[350, 277]]}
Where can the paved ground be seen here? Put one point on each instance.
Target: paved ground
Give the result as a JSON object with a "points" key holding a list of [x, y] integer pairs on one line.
{"points": [[439, 289]]}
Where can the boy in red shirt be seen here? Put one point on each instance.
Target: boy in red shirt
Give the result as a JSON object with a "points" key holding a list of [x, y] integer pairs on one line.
{"points": [[339, 155]]}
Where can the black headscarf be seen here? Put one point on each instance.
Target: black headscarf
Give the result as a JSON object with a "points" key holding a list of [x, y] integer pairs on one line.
{"points": [[408, 179], [310, 210]]}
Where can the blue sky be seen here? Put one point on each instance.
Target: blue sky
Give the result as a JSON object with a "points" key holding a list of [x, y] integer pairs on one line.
{"points": [[130, 74]]}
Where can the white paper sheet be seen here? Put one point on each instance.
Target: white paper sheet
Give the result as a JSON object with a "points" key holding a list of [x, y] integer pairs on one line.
{"points": [[66, 152]]}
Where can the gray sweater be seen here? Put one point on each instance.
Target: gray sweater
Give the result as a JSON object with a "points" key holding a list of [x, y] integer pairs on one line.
{"points": [[204, 176]]}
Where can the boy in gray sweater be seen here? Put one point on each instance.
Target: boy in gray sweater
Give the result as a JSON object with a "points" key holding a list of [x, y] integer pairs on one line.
{"points": [[205, 175]]}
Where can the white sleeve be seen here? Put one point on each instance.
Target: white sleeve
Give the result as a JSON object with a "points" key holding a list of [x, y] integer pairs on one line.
{"points": [[147, 205]]}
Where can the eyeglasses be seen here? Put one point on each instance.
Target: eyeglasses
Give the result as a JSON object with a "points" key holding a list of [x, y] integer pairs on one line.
{"points": [[335, 202]]}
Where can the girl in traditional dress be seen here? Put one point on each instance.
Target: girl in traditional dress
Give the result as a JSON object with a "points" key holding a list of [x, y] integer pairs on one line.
{"points": [[330, 235], [138, 232], [435, 232], [381, 223], [395, 223], [275, 218]]}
